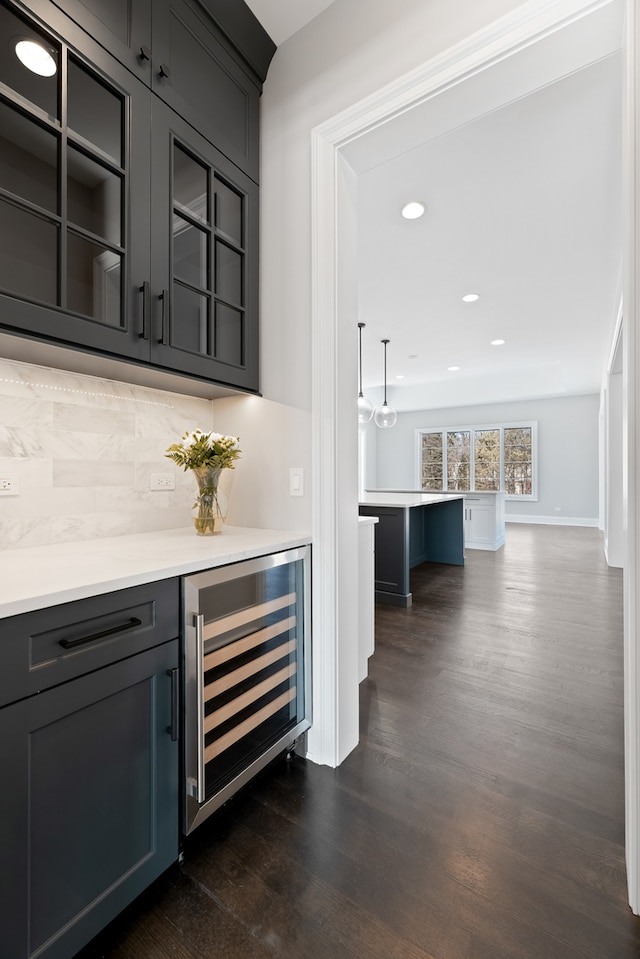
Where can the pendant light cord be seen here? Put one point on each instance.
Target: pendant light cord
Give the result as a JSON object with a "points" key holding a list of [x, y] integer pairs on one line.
{"points": [[385, 371]]}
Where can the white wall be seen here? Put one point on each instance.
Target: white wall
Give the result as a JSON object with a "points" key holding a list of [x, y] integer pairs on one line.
{"points": [[567, 452], [351, 50], [615, 539], [273, 438]]}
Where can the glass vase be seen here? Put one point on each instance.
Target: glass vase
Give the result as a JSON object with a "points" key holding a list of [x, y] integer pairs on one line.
{"points": [[210, 508]]}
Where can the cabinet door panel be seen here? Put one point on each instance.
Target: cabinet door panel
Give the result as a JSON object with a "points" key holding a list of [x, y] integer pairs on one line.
{"points": [[74, 230], [205, 84], [92, 815], [209, 253], [122, 26]]}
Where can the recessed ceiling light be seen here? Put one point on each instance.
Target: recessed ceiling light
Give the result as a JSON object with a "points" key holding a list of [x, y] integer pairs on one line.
{"points": [[399, 376], [498, 342], [470, 297], [452, 369], [413, 210], [36, 58]]}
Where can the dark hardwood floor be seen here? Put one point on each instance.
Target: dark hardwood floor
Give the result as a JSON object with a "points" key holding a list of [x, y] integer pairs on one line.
{"points": [[482, 814]]}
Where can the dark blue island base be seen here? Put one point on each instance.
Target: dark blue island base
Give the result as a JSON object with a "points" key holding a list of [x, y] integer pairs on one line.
{"points": [[411, 533]]}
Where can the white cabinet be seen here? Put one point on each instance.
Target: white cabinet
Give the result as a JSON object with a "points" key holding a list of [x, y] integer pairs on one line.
{"points": [[484, 520], [366, 593]]}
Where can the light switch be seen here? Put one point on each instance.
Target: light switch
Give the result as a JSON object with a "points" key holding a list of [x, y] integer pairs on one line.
{"points": [[296, 481]]}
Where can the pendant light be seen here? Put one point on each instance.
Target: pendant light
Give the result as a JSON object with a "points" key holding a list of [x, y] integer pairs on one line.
{"points": [[385, 415], [365, 409]]}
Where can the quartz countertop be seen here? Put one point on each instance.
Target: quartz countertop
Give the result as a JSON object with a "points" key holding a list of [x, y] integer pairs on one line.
{"points": [[367, 520], [41, 576], [453, 494], [384, 498]]}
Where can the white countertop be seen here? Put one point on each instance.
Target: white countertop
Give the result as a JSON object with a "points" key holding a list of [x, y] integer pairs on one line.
{"points": [[42, 576], [455, 495], [385, 498], [367, 520]]}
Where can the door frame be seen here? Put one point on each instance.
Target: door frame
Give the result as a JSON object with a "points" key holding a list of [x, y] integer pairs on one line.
{"points": [[334, 363]]}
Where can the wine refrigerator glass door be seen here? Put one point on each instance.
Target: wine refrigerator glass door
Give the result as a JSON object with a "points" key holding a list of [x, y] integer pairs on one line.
{"points": [[247, 673]]}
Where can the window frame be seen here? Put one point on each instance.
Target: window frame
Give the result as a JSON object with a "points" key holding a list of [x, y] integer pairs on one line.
{"points": [[472, 428]]}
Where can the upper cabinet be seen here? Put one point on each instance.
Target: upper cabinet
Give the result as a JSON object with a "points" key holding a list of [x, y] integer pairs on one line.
{"points": [[128, 190], [74, 138], [203, 59], [204, 258]]}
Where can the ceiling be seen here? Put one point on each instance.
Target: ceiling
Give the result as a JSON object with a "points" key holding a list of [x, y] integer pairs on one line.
{"points": [[282, 18], [520, 171]]}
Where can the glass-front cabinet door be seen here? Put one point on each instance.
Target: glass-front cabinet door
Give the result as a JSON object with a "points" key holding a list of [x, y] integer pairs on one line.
{"points": [[204, 222], [69, 256]]}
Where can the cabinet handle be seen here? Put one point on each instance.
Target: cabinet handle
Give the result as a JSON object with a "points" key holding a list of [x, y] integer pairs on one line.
{"points": [[122, 628], [145, 290], [174, 675], [144, 53], [199, 625], [166, 306], [164, 71]]}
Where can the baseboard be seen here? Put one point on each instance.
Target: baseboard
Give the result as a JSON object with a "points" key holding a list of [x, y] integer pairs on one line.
{"points": [[552, 520]]}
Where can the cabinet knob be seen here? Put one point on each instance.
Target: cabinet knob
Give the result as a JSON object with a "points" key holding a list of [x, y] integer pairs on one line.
{"points": [[164, 71], [144, 52]]}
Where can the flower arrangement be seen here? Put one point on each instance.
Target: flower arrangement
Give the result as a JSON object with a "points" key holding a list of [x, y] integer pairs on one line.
{"points": [[211, 450], [207, 454]]}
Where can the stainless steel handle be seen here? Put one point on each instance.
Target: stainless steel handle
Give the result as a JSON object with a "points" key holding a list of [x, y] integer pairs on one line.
{"points": [[174, 675], [198, 622]]}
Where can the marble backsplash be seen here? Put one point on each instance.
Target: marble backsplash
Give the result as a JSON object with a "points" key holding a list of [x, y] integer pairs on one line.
{"points": [[84, 449]]}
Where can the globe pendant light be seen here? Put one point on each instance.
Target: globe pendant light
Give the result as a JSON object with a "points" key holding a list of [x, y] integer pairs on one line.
{"points": [[385, 415], [365, 409]]}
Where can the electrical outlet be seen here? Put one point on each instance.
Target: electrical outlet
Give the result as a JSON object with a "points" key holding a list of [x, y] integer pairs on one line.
{"points": [[163, 481], [10, 484]]}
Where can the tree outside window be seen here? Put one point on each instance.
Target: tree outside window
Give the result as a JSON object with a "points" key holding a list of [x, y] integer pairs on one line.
{"points": [[479, 458]]}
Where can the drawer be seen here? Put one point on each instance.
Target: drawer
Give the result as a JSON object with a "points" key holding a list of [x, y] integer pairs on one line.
{"points": [[51, 646]]}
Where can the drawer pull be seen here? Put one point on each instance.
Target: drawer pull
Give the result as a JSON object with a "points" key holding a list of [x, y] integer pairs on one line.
{"points": [[122, 628]]}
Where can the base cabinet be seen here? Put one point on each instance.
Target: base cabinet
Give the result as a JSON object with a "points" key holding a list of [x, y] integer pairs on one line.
{"points": [[484, 521], [89, 810]]}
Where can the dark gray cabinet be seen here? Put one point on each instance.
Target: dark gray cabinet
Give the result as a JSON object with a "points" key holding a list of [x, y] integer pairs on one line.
{"points": [[204, 264], [71, 151], [206, 60], [105, 245], [89, 730]]}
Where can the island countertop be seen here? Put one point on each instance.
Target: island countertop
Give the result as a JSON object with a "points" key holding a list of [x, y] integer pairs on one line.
{"points": [[40, 576], [386, 498]]}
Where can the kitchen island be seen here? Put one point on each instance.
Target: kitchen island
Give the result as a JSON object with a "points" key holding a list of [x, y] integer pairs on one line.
{"points": [[413, 528]]}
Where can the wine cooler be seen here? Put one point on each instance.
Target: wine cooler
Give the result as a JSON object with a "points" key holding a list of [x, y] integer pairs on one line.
{"points": [[247, 673]]}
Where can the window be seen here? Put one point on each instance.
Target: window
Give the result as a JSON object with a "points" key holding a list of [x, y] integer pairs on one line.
{"points": [[479, 458]]}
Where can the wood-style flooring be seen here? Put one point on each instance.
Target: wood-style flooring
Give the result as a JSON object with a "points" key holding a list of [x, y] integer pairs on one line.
{"points": [[482, 814]]}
